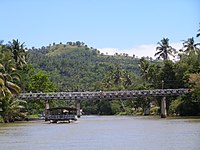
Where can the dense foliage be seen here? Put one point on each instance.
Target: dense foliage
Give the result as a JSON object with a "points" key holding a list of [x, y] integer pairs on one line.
{"points": [[76, 67], [11, 58]]}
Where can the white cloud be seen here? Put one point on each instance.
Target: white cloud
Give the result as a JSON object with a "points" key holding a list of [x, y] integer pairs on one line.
{"points": [[140, 51]]}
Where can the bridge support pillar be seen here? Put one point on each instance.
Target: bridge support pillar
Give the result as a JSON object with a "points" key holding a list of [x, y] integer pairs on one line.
{"points": [[46, 108], [163, 108], [146, 111], [78, 107], [147, 107]]}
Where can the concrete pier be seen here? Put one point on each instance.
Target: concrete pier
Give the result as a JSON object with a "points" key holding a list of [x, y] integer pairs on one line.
{"points": [[46, 108], [78, 107], [163, 108]]}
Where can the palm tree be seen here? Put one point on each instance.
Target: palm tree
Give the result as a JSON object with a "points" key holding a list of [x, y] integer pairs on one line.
{"points": [[113, 77], [153, 73], [117, 75], [144, 68], [13, 109], [190, 46], [7, 87], [18, 52], [126, 79], [107, 83], [164, 49], [198, 34], [7, 77]]}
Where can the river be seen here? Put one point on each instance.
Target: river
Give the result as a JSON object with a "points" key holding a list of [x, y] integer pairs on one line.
{"points": [[103, 133]]}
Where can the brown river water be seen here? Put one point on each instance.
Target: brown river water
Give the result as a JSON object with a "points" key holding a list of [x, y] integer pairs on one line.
{"points": [[103, 133]]}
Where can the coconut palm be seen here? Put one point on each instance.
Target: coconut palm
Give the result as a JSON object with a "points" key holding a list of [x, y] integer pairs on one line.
{"points": [[126, 79], [7, 78], [153, 73], [117, 75], [164, 49], [107, 83], [198, 34], [13, 109], [144, 68], [18, 52], [190, 46], [7, 87]]}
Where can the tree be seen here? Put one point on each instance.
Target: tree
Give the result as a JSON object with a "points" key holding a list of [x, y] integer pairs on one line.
{"points": [[8, 75], [154, 71], [195, 81], [25, 75], [18, 52], [10, 107], [114, 79], [144, 69], [39, 83], [190, 103], [198, 34], [127, 79], [164, 49], [78, 43], [168, 75], [69, 43], [181, 69], [149, 72], [117, 75], [192, 61], [13, 109], [190, 46]]}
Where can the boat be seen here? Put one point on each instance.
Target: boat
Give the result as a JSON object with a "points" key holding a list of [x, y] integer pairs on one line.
{"points": [[61, 114]]}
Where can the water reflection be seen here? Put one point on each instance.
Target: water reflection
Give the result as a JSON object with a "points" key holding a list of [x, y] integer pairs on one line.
{"points": [[102, 133]]}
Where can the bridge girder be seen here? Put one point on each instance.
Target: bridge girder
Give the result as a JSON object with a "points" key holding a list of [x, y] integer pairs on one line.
{"points": [[108, 95]]}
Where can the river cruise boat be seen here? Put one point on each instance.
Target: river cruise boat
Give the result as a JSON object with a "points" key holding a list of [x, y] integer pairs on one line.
{"points": [[61, 114]]}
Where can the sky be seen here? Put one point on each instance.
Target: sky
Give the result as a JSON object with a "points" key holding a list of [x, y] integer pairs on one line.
{"points": [[122, 26]]}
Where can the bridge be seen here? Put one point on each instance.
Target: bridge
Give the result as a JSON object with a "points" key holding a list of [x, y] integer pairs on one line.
{"points": [[107, 95]]}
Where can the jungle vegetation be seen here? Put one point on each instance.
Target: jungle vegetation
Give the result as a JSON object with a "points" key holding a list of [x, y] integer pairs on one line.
{"points": [[73, 66]]}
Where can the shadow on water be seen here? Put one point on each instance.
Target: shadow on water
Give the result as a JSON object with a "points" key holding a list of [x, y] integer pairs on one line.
{"points": [[186, 118]]}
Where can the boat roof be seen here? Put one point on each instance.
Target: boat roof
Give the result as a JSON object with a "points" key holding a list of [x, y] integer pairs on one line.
{"points": [[62, 108]]}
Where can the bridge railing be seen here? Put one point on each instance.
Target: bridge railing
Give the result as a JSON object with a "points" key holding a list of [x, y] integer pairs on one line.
{"points": [[102, 95]]}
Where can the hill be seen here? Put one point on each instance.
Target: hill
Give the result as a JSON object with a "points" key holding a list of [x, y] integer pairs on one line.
{"points": [[75, 67]]}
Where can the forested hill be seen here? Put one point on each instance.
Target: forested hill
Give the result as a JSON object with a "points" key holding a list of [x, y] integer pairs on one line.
{"points": [[75, 66]]}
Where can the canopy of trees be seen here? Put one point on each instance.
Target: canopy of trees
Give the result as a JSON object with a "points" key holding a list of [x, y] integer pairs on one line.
{"points": [[76, 67]]}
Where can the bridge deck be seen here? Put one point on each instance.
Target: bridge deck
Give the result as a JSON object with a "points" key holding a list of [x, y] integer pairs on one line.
{"points": [[102, 95]]}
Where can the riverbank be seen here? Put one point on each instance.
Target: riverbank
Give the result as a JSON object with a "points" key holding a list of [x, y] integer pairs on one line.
{"points": [[194, 118]]}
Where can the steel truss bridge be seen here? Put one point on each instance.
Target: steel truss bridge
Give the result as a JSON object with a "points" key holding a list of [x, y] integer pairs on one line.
{"points": [[101, 95], [108, 95]]}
